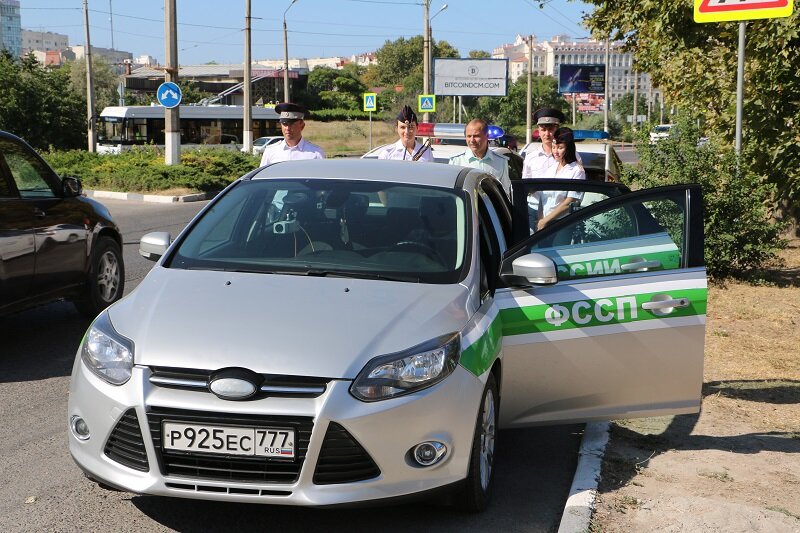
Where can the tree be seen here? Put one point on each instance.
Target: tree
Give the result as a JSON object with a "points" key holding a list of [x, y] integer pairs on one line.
{"points": [[695, 66], [335, 88], [402, 59], [477, 54], [623, 106], [104, 79], [510, 110], [39, 104]]}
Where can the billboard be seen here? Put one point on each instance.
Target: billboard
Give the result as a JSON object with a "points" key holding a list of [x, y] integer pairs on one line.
{"points": [[582, 79], [470, 77]]}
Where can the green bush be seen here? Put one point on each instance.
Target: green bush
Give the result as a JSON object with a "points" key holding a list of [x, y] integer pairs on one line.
{"points": [[143, 169], [740, 234]]}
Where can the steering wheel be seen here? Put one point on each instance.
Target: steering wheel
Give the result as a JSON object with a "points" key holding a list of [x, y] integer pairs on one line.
{"points": [[417, 247]]}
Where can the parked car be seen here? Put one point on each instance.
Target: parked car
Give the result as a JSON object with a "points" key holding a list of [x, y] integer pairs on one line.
{"points": [[345, 331], [262, 142], [662, 131], [54, 242]]}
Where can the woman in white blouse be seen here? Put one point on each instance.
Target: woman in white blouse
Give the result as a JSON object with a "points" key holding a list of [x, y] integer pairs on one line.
{"points": [[555, 204]]}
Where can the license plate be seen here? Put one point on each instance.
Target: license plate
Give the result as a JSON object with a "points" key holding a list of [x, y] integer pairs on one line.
{"points": [[227, 440]]}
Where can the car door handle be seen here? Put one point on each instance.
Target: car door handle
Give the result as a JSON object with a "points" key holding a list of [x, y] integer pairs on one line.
{"points": [[636, 266], [666, 304], [38, 213]]}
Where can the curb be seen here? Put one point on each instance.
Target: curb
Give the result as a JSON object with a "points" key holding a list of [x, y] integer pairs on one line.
{"points": [[154, 198], [583, 492]]}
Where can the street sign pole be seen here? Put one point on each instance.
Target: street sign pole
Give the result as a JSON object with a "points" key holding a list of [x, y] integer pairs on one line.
{"points": [[740, 90], [370, 130], [370, 105]]}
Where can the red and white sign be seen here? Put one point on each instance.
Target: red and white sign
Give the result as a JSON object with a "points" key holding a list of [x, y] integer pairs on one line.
{"points": [[727, 10]]}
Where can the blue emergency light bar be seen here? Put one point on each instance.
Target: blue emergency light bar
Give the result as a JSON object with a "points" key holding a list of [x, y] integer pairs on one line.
{"points": [[495, 132], [589, 134]]}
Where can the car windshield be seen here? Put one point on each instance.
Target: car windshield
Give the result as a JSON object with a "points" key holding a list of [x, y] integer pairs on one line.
{"points": [[662, 129], [331, 227]]}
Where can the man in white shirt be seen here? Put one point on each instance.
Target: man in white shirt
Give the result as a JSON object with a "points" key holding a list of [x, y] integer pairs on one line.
{"points": [[407, 148], [479, 156], [538, 161], [293, 146]]}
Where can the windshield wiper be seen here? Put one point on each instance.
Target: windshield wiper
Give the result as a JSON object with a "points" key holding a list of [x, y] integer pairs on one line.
{"points": [[364, 275]]}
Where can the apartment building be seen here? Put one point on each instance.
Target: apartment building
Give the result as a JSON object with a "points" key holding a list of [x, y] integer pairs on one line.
{"points": [[10, 28], [43, 41]]}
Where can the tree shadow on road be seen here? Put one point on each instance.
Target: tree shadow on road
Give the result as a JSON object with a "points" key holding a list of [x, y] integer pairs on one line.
{"points": [[40, 343], [633, 449]]}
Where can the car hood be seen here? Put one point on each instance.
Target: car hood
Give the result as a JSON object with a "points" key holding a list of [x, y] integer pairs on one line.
{"points": [[281, 324]]}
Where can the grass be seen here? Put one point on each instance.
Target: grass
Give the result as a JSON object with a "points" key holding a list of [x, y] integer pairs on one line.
{"points": [[719, 476], [348, 138], [784, 511]]}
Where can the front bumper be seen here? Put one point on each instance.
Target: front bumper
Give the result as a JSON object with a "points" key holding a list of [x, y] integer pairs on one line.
{"points": [[386, 431]]}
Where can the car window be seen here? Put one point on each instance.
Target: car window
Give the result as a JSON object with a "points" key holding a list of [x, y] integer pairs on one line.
{"points": [[29, 174], [542, 198], [629, 237], [332, 227]]}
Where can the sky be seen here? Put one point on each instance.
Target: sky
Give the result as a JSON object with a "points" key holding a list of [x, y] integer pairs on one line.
{"points": [[212, 30]]}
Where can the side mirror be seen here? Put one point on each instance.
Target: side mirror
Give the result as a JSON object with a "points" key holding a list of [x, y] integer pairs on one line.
{"points": [[153, 245], [71, 186], [527, 270]]}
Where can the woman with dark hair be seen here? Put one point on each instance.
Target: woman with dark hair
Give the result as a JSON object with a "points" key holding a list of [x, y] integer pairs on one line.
{"points": [[555, 204]]}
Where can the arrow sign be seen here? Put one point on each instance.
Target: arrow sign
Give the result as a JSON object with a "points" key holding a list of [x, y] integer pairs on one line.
{"points": [[370, 102], [727, 10], [169, 94], [426, 103]]}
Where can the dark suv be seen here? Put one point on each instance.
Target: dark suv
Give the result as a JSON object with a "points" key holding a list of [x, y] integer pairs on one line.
{"points": [[54, 242]]}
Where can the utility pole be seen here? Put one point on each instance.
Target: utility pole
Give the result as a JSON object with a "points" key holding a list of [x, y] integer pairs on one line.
{"points": [[426, 67], [607, 90], [528, 125], [740, 88], [649, 98], [111, 23], [247, 135], [635, 100], [172, 120], [91, 133], [286, 55]]}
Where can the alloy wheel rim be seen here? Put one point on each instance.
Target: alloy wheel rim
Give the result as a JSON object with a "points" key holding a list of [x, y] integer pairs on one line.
{"points": [[108, 276], [487, 438]]}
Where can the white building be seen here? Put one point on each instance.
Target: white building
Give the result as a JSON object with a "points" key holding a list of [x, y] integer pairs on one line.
{"points": [[112, 57], [43, 41], [146, 61], [548, 56]]}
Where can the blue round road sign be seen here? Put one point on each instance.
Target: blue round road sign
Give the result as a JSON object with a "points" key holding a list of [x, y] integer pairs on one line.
{"points": [[169, 94]]}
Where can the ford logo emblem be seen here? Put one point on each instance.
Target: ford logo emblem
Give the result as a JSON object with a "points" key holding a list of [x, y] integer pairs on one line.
{"points": [[232, 388]]}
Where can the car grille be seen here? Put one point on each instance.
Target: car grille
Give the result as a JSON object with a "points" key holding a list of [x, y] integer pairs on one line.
{"points": [[342, 459], [125, 445], [272, 385], [230, 468]]}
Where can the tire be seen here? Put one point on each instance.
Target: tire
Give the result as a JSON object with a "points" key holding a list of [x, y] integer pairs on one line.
{"points": [[106, 279], [476, 491]]}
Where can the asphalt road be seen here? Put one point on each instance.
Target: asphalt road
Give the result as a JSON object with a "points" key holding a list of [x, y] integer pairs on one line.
{"points": [[43, 490]]}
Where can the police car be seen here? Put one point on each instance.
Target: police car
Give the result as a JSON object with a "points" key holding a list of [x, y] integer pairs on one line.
{"points": [[446, 140], [597, 155], [345, 331]]}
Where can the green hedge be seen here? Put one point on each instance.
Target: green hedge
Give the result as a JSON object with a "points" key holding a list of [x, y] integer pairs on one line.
{"points": [[143, 170]]}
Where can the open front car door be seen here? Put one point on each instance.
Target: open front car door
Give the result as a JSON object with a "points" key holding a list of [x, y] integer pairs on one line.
{"points": [[603, 313]]}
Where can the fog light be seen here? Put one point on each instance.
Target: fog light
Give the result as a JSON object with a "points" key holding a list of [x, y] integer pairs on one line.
{"points": [[429, 453], [79, 428]]}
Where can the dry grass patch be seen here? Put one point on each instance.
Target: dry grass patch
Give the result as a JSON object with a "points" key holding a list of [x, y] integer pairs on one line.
{"points": [[348, 138]]}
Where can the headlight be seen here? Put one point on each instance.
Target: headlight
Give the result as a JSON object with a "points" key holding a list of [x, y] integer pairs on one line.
{"points": [[404, 372], [107, 353]]}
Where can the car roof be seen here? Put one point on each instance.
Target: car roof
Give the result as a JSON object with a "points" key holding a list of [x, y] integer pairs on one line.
{"points": [[420, 173]]}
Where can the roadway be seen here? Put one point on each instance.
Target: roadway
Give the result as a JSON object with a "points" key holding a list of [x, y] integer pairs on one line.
{"points": [[44, 490]]}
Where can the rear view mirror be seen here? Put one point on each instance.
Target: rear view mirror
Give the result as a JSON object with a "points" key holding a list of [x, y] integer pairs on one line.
{"points": [[154, 245], [71, 186], [527, 270]]}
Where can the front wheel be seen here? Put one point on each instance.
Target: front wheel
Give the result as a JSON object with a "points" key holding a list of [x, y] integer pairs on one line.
{"points": [[476, 492], [106, 278]]}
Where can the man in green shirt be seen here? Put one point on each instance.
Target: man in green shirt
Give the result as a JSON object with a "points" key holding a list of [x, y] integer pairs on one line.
{"points": [[478, 155]]}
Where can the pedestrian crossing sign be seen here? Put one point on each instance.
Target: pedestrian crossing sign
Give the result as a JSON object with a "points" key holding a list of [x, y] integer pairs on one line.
{"points": [[370, 101], [426, 103], [727, 10]]}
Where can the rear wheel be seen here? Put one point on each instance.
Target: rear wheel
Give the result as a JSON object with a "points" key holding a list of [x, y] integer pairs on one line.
{"points": [[476, 492], [106, 278]]}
